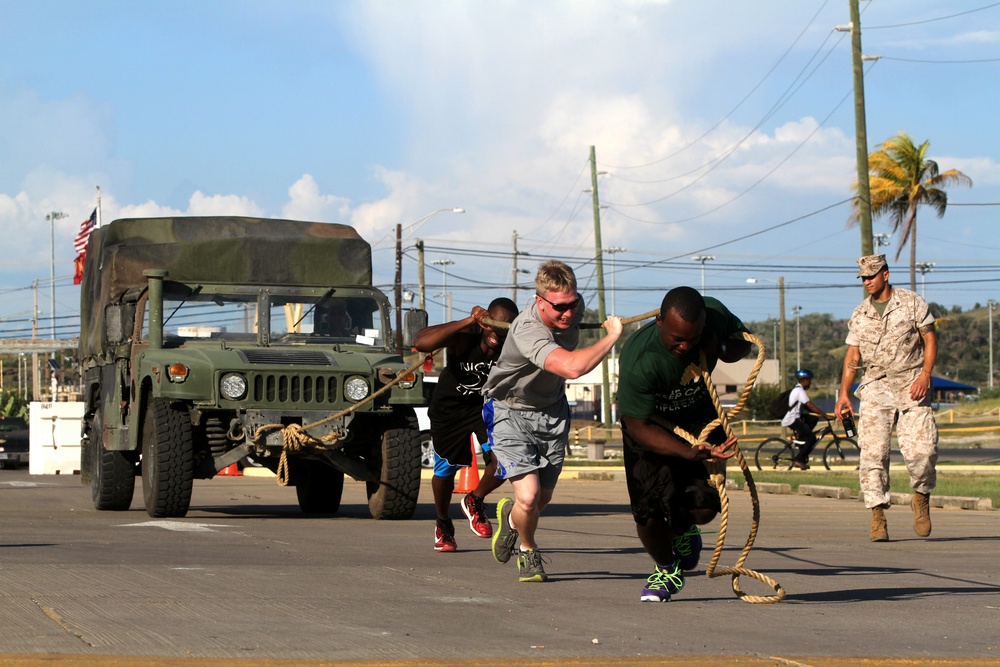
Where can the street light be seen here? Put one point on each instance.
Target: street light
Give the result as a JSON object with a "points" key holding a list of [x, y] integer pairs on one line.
{"points": [[923, 268], [798, 355], [703, 259], [613, 250], [782, 366], [52, 217], [399, 270], [881, 240], [444, 264]]}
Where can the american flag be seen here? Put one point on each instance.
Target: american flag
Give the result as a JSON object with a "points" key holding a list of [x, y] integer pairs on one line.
{"points": [[80, 242]]}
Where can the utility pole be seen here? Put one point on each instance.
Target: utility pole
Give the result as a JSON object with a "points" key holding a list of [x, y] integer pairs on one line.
{"points": [[991, 305], [421, 286], [782, 354], [514, 274], [798, 341], [601, 314], [861, 133], [35, 384], [398, 334]]}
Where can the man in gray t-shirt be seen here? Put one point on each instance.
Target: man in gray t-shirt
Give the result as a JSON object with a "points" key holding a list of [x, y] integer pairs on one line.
{"points": [[526, 413]]}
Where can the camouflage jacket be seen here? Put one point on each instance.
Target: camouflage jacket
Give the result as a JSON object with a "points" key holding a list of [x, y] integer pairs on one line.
{"points": [[891, 345]]}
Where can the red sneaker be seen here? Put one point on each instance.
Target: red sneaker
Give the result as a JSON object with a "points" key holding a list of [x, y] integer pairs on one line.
{"points": [[444, 536], [472, 507]]}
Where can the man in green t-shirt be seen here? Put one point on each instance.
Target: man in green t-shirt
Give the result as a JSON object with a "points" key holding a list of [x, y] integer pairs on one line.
{"points": [[659, 380]]}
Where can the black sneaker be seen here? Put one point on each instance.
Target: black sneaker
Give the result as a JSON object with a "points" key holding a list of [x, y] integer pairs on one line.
{"points": [[504, 537]]}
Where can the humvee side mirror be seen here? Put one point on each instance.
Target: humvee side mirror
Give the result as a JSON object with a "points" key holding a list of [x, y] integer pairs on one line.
{"points": [[413, 321], [118, 321]]}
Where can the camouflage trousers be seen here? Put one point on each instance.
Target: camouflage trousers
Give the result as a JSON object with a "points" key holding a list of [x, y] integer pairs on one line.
{"points": [[915, 430]]}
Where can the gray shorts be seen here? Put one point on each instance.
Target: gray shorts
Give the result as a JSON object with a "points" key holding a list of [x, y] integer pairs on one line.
{"points": [[525, 441]]}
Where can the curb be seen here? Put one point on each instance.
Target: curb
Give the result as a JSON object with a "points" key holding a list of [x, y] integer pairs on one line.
{"points": [[813, 490]]}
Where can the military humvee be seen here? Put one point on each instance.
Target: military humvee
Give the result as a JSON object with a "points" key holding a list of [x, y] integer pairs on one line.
{"points": [[204, 339]]}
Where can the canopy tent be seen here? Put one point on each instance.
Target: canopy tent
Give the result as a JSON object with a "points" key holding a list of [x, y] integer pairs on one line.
{"points": [[944, 386]]}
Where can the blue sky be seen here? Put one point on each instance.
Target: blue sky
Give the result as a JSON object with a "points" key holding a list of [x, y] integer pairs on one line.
{"points": [[724, 129]]}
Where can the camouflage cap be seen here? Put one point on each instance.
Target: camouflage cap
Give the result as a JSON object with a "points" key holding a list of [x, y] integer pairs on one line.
{"points": [[870, 265]]}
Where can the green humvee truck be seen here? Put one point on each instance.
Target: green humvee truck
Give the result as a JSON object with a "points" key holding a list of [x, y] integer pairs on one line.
{"points": [[205, 341]]}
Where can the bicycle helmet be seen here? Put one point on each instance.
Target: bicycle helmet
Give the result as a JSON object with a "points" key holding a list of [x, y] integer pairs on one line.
{"points": [[802, 374]]}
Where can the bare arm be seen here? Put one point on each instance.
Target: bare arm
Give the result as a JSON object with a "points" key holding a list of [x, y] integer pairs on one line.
{"points": [[440, 335], [851, 362], [571, 364], [661, 441], [922, 384]]}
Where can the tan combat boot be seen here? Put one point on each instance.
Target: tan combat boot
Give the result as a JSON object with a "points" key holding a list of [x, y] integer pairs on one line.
{"points": [[879, 531], [921, 505]]}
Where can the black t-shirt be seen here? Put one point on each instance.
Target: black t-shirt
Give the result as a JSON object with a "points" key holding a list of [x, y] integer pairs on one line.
{"points": [[458, 389]]}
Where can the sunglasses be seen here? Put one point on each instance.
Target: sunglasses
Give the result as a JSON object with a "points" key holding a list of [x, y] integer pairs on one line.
{"points": [[561, 307]]}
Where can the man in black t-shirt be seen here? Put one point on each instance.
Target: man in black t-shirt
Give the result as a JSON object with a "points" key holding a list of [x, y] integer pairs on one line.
{"points": [[456, 412]]}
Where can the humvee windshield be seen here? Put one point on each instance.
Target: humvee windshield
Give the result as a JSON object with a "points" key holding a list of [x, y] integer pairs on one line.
{"points": [[311, 315]]}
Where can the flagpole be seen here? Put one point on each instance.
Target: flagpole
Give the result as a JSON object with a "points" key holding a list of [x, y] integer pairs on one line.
{"points": [[98, 205]]}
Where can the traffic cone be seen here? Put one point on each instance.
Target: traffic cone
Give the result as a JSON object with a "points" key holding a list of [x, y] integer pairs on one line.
{"points": [[232, 470], [467, 479]]}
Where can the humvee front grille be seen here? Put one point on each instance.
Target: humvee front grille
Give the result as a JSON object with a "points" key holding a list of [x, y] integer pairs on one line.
{"points": [[293, 389]]}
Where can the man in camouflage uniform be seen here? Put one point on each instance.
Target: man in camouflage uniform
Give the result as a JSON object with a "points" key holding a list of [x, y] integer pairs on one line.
{"points": [[891, 338]]}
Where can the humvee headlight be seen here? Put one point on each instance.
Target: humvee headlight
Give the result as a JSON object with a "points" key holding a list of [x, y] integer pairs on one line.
{"points": [[233, 386], [356, 389]]}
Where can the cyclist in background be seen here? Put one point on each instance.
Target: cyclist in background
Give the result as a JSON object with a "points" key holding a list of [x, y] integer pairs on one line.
{"points": [[803, 423]]}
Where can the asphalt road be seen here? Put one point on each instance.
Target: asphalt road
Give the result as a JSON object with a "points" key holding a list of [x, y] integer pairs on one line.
{"points": [[246, 576]]}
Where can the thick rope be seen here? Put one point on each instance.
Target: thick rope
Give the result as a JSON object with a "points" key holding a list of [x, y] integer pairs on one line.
{"points": [[718, 476], [717, 469]]}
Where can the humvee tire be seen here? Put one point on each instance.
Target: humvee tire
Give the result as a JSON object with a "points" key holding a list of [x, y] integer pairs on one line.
{"points": [[319, 487], [112, 474], [167, 459], [397, 463]]}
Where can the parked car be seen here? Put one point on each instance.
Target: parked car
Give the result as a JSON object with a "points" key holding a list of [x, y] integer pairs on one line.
{"points": [[424, 423], [13, 441]]}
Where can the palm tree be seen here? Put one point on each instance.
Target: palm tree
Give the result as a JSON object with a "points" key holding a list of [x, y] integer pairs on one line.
{"points": [[902, 178]]}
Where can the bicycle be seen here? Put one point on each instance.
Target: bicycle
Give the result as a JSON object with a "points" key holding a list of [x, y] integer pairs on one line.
{"points": [[777, 453]]}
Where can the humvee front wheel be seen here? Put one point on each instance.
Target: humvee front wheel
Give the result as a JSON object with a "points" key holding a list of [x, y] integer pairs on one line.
{"points": [[318, 486], [112, 474], [167, 459], [397, 464]]}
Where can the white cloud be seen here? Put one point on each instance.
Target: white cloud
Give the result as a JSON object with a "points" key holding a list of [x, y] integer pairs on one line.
{"points": [[307, 203], [202, 204]]}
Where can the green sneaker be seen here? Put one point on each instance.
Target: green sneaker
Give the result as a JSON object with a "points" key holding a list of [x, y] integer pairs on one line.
{"points": [[529, 566], [504, 537], [664, 582]]}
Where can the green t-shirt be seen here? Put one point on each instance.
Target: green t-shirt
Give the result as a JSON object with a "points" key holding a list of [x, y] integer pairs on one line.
{"points": [[653, 382]]}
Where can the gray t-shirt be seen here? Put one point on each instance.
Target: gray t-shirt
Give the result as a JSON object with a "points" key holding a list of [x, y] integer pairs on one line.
{"points": [[519, 378]]}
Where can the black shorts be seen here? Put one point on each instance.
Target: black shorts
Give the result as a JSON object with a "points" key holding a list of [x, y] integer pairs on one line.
{"points": [[667, 487], [451, 437]]}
